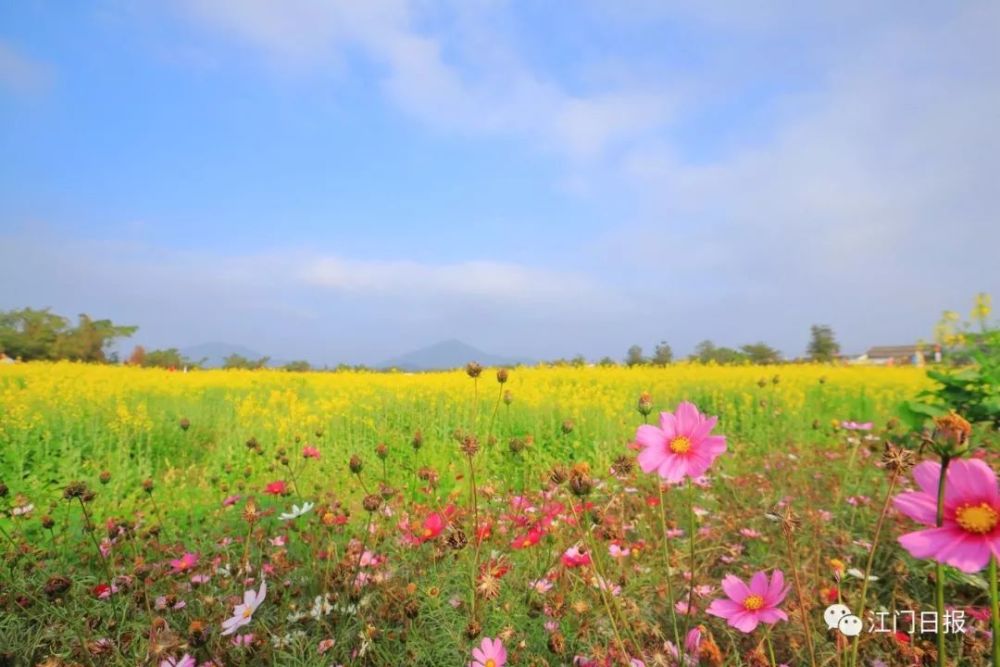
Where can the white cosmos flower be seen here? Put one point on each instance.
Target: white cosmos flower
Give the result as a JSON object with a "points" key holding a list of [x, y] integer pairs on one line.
{"points": [[296, 511], [858, 574]]}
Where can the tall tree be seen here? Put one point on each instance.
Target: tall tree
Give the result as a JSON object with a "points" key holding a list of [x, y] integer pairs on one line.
{"points": [[761, 353], [634, 356], [663, 354], [823, 345]]}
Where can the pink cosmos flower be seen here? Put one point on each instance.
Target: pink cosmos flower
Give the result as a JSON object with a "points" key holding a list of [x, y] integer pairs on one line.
{"points": [[310, 452], [856, 426], [277, 488], [186, 562], [433, 525], [490, 653], [573, 557], [748, 606], [243, 640], [243, 613], [681, 446], [184, 661], [970, 532], [230, 500]]}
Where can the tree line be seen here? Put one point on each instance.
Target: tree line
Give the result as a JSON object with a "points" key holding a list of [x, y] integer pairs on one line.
{"points": [[823, 346]]}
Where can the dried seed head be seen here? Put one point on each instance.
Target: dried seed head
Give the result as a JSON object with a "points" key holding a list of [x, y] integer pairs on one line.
{"points": [[502, 375], [104, 477], [516, 445], [147, 485], [567, 426], [418, 440], [580, 481], [381, 450], [89, 495], [558, 474], [457, 539], [250, 512], [185, 423], [473, 369], [622, 466], [56, 586], [372, 502], [47, 522], [356, 464], [473, 629], [470, 445], [557, 643], [898, 458], [252, 443], [76, 489]]}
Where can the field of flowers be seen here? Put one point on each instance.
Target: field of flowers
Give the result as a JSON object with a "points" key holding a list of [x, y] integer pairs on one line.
{"points": [[540, 516]]}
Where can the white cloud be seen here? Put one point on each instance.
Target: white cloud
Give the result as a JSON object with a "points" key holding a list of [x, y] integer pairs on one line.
{"points": [[498, 94], [495, 282]]}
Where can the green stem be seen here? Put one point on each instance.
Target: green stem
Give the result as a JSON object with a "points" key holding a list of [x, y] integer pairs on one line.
{"points": [[995, 603], [871, 560], [770, 648], [668, 557], [939, 568], [691, 535]]}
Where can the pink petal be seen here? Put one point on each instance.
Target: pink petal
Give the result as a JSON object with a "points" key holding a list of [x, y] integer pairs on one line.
{"points": [[478, 654], [716, 444], [687, 418], [970, 554], [668, 424], [651, 458], [650, 436], [926, 543], [704, 427], [724, 608], [758, 584], [975, 479], [673, 468], [926, 475], [744, 622], [776, 591], [918, 506], [771, 615], [735, 588]]}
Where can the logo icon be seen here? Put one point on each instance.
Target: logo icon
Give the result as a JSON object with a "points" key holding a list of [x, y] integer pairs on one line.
{"points": [[839, 616]]}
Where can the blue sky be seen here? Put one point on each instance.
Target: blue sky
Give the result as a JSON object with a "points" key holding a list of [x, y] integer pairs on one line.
{"points": [[345, 181]]}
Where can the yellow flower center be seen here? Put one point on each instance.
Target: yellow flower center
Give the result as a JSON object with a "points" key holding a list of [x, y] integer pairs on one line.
{"points": [[980, 519], [491, 662], [247, 613], [680, 445], [753, 602], [428, 532]]}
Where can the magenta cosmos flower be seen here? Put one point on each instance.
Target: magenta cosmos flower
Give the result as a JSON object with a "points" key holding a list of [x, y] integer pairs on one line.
{"points": [[748, 606], [490, 653], [681, 446], [970, 532]]}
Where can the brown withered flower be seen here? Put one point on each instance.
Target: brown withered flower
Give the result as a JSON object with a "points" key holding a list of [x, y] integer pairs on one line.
{"points": [[898, 458], [580, 481], [372, 502], [470, 445], [76, 489], [502, 375], [473, 369]]}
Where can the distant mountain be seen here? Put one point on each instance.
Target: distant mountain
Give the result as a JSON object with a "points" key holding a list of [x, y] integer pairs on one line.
{"points": [[215, 354], [445, 355]]}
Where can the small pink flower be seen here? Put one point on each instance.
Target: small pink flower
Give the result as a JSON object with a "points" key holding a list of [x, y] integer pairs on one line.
{"points": [[617, 551], [230, 500], [199, 579], [325, 645], [970, 532], [243, 640], [747, 606], [279, 541], [749, 533], [573, 557], [681, 447], [277, 488], [310, 452], [541, 586], [184, 661], [490, 653], [186, 562]]}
